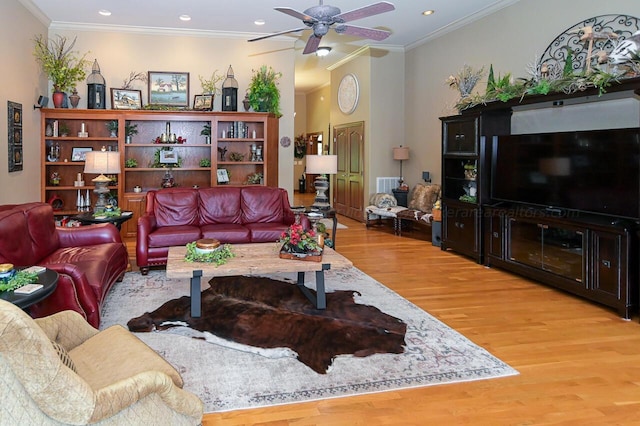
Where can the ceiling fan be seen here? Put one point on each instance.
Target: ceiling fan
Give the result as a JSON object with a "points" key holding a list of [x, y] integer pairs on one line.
{"points": [[323, 17]]}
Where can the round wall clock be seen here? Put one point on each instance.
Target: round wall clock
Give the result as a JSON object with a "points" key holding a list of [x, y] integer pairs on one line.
{"points": [[348, 93], [285, 141]]}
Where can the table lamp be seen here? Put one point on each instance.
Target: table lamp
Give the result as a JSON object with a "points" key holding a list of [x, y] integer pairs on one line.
{"points": [[401, 153], [321, 165], [101, 163]]}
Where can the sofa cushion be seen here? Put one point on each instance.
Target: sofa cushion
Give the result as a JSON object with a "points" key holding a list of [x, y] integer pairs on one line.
{"points": [[226, 233], [176, 206], [261, 205], [15, 246], [116, 354], [424, 196], [167, 236], [219, 205], [266, 232]]}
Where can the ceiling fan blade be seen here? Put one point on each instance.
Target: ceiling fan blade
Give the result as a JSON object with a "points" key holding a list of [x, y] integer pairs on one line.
{"points": [[312, 44], [363, 12], [280, 33], [296, 14], [370, 33]]}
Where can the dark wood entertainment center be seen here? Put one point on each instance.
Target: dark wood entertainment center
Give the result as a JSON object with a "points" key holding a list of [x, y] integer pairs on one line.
{"points": [[593, 256]]}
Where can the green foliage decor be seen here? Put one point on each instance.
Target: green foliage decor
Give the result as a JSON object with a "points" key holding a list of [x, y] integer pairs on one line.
{"points": [[64, 66], [263, 91], [219, 256], [19, 279], [210, 85]]}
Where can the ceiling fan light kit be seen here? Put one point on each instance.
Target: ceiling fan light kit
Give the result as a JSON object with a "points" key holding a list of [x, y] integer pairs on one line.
{"points": [[323, 51], [321, 18]]}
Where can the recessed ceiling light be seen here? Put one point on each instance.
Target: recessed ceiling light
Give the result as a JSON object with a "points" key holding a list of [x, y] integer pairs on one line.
{"points": [[428, 12], [104, 12], [323, 51], [259, 22], [185, 17]]}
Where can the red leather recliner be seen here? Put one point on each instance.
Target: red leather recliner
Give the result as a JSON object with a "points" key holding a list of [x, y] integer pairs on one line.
{"points": [[89, 259]]}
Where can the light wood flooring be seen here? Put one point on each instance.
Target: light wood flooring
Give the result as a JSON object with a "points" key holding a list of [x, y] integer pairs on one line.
{"points": [[579, 362]]}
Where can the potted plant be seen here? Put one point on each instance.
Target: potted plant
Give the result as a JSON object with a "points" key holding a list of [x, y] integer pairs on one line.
{"points": [[210, 85], [206, 132], [205, 162], [264, 94], [112, 126], [129, 131], [64, 66]]}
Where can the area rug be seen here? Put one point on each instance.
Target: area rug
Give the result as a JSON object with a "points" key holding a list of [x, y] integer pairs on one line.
{"points": [[231, 378]]}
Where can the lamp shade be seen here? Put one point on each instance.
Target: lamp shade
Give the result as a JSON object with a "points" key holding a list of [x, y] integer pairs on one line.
{"points": [[102, 162], [401, 153], [322, 164]]}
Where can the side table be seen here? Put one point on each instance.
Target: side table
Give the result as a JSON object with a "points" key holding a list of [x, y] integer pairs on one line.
{"points": [[88, 218], [49, 281]]}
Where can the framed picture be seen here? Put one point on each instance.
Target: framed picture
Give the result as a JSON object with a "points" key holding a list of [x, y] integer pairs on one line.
{"points": [[169, 88], [78, 153], [223, 176], [14, 122], [126, 99], [168, 156], [203, 102]]}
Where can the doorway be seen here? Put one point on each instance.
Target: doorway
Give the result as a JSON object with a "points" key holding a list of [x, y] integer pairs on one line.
{"points": [[348, 197], [314, 147]]}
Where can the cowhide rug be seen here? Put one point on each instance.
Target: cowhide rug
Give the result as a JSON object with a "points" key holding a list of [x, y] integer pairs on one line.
{"points": [[268, 313]]}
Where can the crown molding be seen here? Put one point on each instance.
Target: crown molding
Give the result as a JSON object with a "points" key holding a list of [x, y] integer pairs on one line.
{"points": [[35, 11]]}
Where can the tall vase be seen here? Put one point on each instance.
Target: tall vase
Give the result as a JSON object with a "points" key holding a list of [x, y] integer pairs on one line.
{"points": [[58, 99]]}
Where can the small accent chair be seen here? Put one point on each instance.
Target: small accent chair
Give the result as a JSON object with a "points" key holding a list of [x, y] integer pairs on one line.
{"points": [[60, 370]]}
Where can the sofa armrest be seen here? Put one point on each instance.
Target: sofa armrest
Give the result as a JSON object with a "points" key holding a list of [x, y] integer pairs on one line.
{"points": [[67, 328], [73, 292], [114, 398], [88, 235], [146, 225]]}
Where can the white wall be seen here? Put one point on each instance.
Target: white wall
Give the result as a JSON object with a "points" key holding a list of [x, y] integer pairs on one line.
{"points": [[21, 83], [509, 39]]}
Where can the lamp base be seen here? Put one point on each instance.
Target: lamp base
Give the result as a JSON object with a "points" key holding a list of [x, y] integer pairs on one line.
{"points": [[102, 183], [321, 183]]}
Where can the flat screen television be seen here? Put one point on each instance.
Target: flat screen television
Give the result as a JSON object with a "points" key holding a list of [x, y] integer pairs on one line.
{"points": [[596, 171]]}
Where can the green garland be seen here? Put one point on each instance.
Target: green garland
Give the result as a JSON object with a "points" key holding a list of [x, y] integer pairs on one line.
{"points": [[219, 256], [18, 280]]}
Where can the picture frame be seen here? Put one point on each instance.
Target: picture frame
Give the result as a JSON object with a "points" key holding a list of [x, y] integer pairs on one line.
{"points": [[168, 88], [78, 153], [126, 99], [223, 176], [168, 156], [14, 126], [203, 102]]}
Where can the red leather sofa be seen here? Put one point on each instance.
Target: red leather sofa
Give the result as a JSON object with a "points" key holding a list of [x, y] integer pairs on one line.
{"points": [[89, 259], [235, 215]]}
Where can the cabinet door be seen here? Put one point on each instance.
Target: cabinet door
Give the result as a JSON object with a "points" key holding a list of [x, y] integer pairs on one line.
{"points": [[495, 232], [134, 202], [606, 273], [461, 136], [460, 230]]}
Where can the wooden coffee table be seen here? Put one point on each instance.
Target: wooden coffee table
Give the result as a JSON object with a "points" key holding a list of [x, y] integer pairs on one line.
{"points": [[254, 259]]}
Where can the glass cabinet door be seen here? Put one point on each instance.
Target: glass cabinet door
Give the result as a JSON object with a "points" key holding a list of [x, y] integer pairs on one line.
{"points": [[551, 248]]}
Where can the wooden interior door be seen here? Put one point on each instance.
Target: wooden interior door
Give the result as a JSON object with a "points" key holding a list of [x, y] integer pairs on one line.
{"points": [[348, 194]]}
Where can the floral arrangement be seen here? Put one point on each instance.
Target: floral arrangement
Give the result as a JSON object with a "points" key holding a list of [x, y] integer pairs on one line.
{"points": [[60, 62], [178, 140], [210, 85], [19, 279], [465, 80], [263, 91], [298, 240], [254, 178]]}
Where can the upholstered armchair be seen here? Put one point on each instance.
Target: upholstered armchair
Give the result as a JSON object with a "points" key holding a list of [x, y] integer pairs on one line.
{"points": [[60, 370]]}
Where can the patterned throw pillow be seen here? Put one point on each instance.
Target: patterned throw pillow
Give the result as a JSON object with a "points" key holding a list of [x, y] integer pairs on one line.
{"points": [[424, 197], [64, 356], [382, 200]]}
